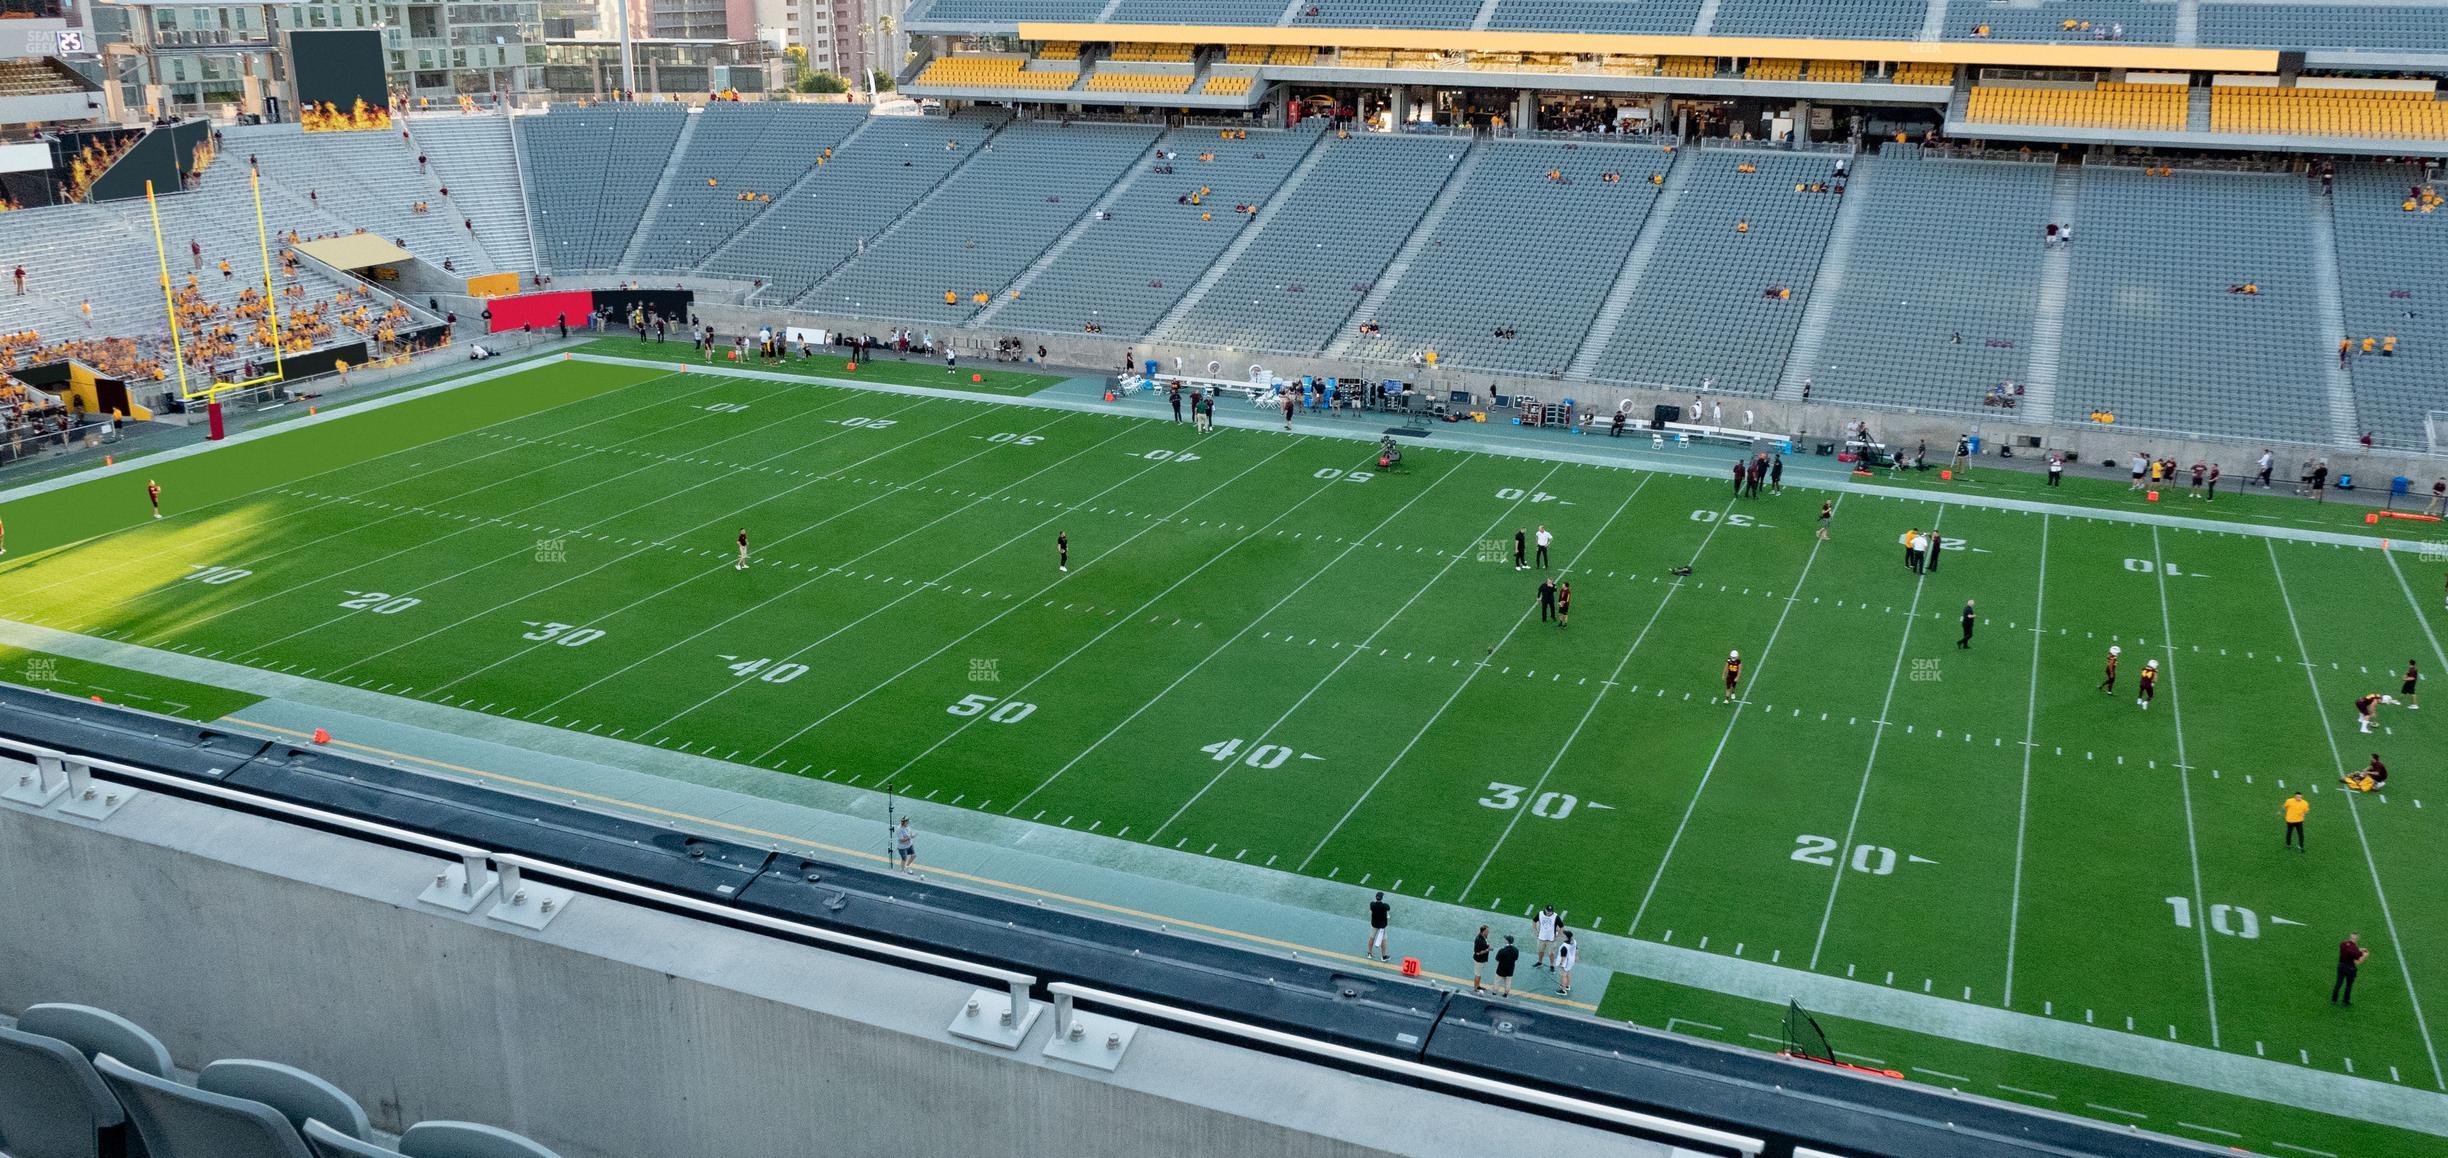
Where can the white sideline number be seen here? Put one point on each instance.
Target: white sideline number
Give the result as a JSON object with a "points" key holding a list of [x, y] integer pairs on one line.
{"points": [[1516, 494], [2226, 920], [567, 635], [217, 576], [1005, 711], [869, 423], [1015, 439], [768, 670], [380, 602], [1876, 860], [1330, 474], [1704, 515], [2146, 566], [1545, 806], [1170, 456]]}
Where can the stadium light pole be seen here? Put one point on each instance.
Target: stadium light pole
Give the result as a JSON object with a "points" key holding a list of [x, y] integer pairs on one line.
{"points": [[628, 51]]}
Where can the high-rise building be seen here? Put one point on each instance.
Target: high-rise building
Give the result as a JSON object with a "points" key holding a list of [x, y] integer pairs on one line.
{"points": [[186, 55]]}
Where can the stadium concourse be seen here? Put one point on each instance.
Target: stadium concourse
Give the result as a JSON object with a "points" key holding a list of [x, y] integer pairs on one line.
{"points": [[1977, 460]]}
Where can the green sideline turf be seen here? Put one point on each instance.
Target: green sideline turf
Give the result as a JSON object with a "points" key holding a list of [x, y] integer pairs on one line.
{"points": [[70, 676], [830, 364], [1267, 652]]}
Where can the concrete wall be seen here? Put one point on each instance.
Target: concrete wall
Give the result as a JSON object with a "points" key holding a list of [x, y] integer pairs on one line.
{"points": [[622, 1032]]}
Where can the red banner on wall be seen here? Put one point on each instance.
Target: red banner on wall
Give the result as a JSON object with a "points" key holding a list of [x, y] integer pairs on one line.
{"points": [[542, 311]]}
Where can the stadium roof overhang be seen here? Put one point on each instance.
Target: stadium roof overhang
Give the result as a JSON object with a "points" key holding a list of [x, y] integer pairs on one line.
{"points": [[2102, 56], [356, 251]]}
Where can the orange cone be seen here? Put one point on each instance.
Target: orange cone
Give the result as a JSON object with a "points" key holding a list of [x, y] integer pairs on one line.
{"points": [[321, 736], [107, 459], [850, 366], [977, 377], [96, 699]]}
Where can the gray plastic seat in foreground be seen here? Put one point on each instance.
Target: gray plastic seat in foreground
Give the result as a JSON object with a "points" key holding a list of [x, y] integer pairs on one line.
{"points": [[178, 1121], [98, 1031], [467, 1140], [298, 1095], [52, 1104], [330, 1143]]}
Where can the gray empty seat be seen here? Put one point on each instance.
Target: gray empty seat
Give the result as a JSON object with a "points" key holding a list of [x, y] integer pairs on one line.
{"points": [[467, 1140], [298, 1095], [178, 1121], [52, 1104], [331, 1143], [98, 1031]]}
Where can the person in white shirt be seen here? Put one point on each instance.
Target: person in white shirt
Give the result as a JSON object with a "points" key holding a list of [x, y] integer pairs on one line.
{"points": [[1566, 955], [1546, 935], [907, 843], [2141, 467], [1544, 540]]}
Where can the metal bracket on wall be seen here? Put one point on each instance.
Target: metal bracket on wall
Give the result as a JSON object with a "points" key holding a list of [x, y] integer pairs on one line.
{"points": [[90, 800], [1087, 1039], [461, 887], [45, 783], [988, 1017], [526, 904]]}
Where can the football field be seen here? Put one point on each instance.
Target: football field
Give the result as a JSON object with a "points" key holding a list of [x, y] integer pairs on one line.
{"points": [[1268, 651]]}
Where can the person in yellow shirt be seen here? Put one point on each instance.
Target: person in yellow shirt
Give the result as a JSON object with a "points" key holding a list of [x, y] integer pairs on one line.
{"points": [[2295, 809]]}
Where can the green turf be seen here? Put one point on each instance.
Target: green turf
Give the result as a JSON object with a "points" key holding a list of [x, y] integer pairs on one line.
{"points": [[832, 365], [1267, 652], [2039, 1082], [70, 676], [2089, 485]]}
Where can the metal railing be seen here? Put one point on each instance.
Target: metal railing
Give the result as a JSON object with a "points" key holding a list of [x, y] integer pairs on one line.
{"points": [[1067, 994]]}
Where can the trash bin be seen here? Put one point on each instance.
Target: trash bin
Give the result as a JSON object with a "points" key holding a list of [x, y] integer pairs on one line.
{"points": [[2400, 485], [1973, 441]]}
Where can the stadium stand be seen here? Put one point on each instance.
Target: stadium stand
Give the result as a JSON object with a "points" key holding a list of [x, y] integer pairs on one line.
{"points": [[1935, 304], [742, 156], [977, 230], [2159, 332], [2112, 105], [1860, 19], [367, 179], [37, 77], [584, 168], [1923, 72], [1121, 273], [2390, 114], [80, 1080], [1518, 264], [997, 72], [2397, 27], [1321, 245], [1384, 14], [474, 157], [1624, 17], [1153, 83], [2064, 21], [1226, 84], [2389, 258], [1169, 53], [1710, 306], [875, 175], [1001, 12]]}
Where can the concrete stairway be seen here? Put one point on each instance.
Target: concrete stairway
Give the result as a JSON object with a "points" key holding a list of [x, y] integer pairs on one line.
{"points": [[662, 190], [1411, 246], [1240, 245], [2330, 302], [2049, 316], [1113, 196], [1636, 261], [1811, 337]]}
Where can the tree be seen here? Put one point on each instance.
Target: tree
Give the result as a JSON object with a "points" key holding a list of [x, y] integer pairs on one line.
{"points": [[823, 82]]}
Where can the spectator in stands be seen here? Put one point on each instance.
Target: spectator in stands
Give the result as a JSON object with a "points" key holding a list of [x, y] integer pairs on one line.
{"points": [[20, 275]]}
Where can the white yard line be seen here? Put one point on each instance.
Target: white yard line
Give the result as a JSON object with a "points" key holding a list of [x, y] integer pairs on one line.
{"points": [[498, 520], [1459, 688], [1356, 543], [178, 519], [1354, 651], [728, 520], [1710, 769], [2416, 607], [1613, 678], [2184, 781], [1026, 601], [2031, 719], [2397, 945], [801, 585], [1116, 625], [1878, 732]]}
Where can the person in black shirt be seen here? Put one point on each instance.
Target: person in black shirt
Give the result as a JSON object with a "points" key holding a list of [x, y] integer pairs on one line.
{"points": [[1966, 641], [1062, 550], [1937, 543], [1547, 600], [1506, 958], [1479, 959], [1378, 911], [1521, 549]]}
